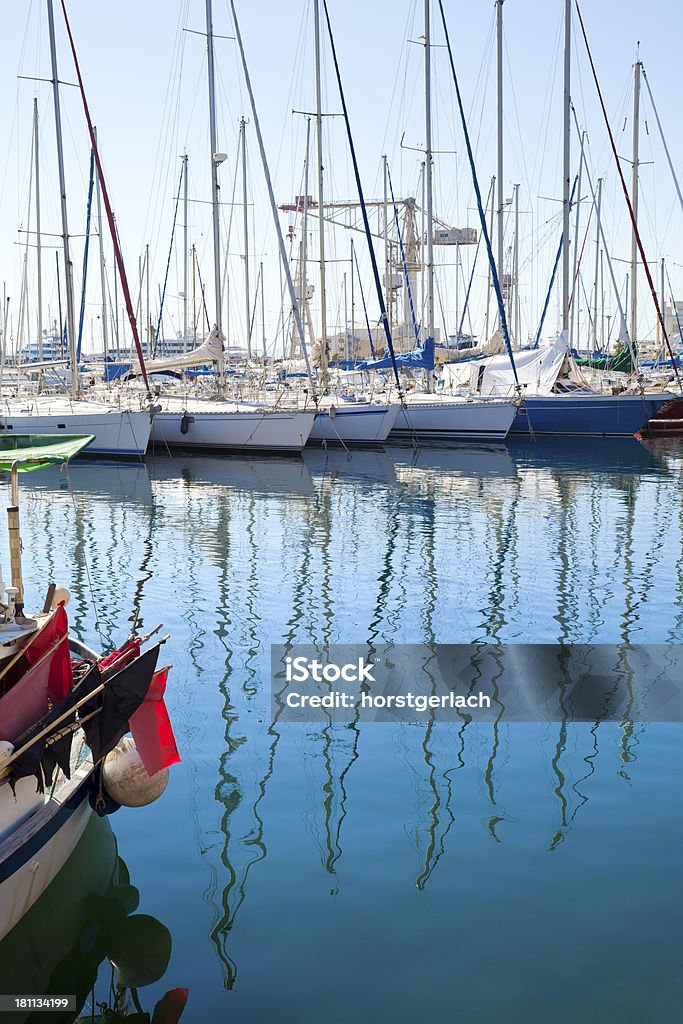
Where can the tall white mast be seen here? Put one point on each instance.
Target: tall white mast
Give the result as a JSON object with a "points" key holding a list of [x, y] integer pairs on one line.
{"points": [[245, 208], [661, 301], [515, 263], [428, 174], [148, 311], [38, 251], [499, 63], [598, 201], [185, 252], [303, 297], [634, 202], [321, 219], [566, 161], [103, 278], [68, 266], [574, 325], [216, 159], [388, 291]]}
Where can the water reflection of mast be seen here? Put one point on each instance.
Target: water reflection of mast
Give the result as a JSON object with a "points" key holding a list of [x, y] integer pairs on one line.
{"points": [[228, 792], [505, 535], [436, 834], [629, 737], [332, 848]]}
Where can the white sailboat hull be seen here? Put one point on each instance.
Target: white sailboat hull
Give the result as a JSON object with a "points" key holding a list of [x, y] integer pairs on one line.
{"points": [[118, 432], [430, 418], [356, 425], [216, 427]]}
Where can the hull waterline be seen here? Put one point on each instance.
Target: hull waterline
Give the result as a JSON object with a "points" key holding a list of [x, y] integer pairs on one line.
{"points": [[363, 426], [585, 415], [215, 429], [443, 421], [118, 433]]}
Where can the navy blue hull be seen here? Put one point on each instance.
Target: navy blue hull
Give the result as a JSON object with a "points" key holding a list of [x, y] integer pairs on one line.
{"points": [[594, 415]]}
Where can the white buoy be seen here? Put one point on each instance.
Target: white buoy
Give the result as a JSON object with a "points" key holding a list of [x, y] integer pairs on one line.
{"points": [[125, 777], [60, 594]]}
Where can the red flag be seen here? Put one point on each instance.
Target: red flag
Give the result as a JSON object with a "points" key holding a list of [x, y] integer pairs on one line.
{"points": [[55, 635], [118, 659], [169, 1009], [151, 727], [41, 678], [25, 703]]}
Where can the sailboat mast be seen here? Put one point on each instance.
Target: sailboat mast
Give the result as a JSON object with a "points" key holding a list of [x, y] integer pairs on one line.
{"points": [[216, 160], [634, 202], [321, 219], [147, 310], [68, 266], [517, 339], [574, 325], [566, 161], [103, 279], [385, 210], [245, 209], [596, 283], [428, 171], [303, 297], [499, 175], [38, 250], [185, 252], [662, 301]]}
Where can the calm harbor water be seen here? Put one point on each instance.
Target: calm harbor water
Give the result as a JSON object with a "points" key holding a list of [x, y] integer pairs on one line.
{"points": [[440, 872]]}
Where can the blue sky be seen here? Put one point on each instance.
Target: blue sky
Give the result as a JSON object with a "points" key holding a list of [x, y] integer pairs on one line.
{"points": [[146, 84]]}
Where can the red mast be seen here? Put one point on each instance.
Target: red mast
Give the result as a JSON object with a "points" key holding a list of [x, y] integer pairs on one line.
{"points": [[107, 206]]}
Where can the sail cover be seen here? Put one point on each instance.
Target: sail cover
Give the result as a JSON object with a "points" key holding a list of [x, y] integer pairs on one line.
{"points": [[37, 451], [420, 358], [537, 371]]}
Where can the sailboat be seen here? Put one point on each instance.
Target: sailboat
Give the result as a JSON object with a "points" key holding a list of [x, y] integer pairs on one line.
{"points": [[429, 416], [219, 424], [555, 398], [64, 712], [117, 431]]}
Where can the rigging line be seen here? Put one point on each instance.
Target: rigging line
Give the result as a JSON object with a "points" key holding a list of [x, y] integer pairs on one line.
{"points": [[646, 268], [401, 63], [366, 222], [623, 328], [168, 124], [674, 305], [86, 248], [554, 272], [578, 262], [441, 309], [168, 262], [110, 215], [482, 214], [474, 267], [252, 321], [522, 151], [403, 261], [661, 135], [273, 204], [201, 288], [365, 308]]}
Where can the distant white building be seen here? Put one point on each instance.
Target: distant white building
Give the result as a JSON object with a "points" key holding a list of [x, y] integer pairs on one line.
{"points": [[673, 319]]}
